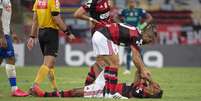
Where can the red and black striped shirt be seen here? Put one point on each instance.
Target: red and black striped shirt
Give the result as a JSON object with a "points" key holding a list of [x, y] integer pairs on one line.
{"points": [[122, 34]]}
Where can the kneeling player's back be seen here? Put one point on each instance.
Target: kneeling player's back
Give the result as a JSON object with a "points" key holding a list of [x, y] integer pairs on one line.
{"points": [[122, 34]]}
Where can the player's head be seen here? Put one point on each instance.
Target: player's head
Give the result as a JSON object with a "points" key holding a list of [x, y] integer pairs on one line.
{"points": [[131, 3], [149, 34], [146, 89]]}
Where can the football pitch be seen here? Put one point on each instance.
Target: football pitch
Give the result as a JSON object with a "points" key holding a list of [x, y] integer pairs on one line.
{"points": [[179, 84]]}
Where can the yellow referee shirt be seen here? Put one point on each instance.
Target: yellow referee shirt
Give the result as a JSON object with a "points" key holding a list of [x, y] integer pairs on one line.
{"points": [[43, 9]]}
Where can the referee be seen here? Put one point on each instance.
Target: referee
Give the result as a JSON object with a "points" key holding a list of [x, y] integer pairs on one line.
{"points": [[47, 22]]}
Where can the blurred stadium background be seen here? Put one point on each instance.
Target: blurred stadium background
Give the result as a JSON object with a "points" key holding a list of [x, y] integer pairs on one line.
{"points": [[178, 46], [178, 27]]}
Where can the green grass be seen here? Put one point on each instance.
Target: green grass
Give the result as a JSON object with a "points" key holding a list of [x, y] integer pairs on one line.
{"points": [[179, 84]]}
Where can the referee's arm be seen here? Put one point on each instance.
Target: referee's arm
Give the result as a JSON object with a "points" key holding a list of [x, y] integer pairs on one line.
{"points": [[34, 29], [58, 20]]}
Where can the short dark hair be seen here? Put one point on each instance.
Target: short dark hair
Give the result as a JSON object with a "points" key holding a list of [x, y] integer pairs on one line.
{"points": [[150, 30]]}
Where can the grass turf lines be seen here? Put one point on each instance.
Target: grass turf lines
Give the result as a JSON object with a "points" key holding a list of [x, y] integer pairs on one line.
{"points": [[179, 84]]}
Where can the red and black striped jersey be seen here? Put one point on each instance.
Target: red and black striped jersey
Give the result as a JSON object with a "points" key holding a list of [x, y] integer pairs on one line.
{"points": [[99, 10], [122, 34], [130, 91]]}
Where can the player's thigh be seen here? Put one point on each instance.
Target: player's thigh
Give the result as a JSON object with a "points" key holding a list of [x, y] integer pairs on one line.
{"points": [[112, 60], [9, 52], [10, 60]]}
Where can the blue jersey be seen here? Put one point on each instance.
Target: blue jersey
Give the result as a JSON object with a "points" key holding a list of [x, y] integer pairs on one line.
{"points": [[9, 51], [133, 16]]}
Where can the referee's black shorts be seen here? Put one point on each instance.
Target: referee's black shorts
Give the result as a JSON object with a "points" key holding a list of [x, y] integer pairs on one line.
{"points": [[49, 41]]}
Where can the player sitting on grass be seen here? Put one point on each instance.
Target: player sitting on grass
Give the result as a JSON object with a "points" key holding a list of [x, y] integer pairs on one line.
{"points": [[140, 88]]}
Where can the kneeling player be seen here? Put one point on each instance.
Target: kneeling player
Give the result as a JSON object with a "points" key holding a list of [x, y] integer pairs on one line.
{"points": [[138, 89], [106, 40]]}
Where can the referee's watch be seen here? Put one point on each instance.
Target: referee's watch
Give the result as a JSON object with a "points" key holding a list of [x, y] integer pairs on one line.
{"points": [[33, 37]]}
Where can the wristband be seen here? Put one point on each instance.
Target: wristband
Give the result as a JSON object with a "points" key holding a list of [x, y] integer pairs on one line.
{"points": [[68, 31], [32, 36]]}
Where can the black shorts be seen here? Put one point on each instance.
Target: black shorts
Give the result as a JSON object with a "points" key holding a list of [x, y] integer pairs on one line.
{"points": [[49, 41]]}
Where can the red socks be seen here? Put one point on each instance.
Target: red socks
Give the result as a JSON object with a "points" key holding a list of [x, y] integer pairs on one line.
{"points": [[66, 93], [90, 77], [111, 78]]}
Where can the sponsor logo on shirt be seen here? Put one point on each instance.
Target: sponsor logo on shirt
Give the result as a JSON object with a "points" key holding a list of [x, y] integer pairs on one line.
{"points": [[42, 4]]}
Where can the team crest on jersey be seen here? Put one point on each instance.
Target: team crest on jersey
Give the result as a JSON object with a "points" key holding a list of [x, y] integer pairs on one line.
{"points": [[42, 4], [139, 42]]}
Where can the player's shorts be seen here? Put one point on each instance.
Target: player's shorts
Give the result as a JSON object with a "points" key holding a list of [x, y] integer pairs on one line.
{"points": [[9, 51], [96, 89], [49, 41], [102, 45]]}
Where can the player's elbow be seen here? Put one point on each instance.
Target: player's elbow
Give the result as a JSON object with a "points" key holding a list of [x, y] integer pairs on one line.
{"points": [[56, 19], [149, 18], [77, 14]]}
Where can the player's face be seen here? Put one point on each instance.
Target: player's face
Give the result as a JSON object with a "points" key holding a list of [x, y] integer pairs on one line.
{"points": [[153, 90], [111, 3], [131, 3]]}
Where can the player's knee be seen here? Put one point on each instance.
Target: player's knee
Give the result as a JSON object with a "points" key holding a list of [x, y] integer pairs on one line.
{"points": [[114, 62], [11, 60], [50, 64], [49, 61]]}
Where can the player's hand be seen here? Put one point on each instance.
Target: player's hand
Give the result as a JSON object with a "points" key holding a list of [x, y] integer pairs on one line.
{"points": [[16, 39], [3, 42], [30, 43], [95, 21], [69, 33], [145, 74]]}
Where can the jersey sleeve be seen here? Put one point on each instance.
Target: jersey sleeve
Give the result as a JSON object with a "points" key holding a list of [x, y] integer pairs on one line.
{"points": [[87, 5], [55, 6], [143, 12], [123, 13]]}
